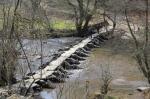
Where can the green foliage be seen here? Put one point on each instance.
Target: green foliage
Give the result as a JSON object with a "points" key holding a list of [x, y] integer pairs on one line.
{"points": [[25, 23], [62, 24]]}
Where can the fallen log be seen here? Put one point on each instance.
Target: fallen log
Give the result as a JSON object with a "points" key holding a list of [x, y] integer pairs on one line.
{"points": [[60, 74]]}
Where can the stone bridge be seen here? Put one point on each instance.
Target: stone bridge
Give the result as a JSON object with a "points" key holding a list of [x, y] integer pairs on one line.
{"points": [[56, 70]]}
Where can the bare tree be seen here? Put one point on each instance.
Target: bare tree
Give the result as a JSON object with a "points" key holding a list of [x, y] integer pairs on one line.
{"points": [[111, 8], [142, 53], [35, 6], [83, 14], [8, 45], [106, 78], [39, 13], [10, 39]]}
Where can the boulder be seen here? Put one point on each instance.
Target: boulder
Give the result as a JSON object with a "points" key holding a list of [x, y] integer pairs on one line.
{"points": [[72, 61], [100, 39], [55, 79], [96, 41], [83, 50], [76, 57], [36, 88], [75, 67], [66, 65], [81, 54], [103, 37], [87, 48], [61, 69], [92, 45], [45, 83]]}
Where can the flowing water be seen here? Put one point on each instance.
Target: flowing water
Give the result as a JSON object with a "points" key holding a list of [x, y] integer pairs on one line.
{"points": [[85, 82], [33, 51], [115, 56]]}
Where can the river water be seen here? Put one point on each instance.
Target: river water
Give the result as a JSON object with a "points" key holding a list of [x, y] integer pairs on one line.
{"points": [[33, 51], [114, 56]]}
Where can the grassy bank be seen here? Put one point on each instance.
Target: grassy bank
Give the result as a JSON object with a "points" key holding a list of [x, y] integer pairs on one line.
{"points": [[58, 24], [60, 28]]}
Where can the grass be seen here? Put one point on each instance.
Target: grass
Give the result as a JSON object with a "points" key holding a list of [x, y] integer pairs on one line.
{"points": [[62, 27], [63, 24], [56, 24]]}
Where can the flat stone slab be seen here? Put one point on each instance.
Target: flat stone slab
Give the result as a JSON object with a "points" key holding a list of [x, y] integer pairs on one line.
{"points": [[141, 89]]}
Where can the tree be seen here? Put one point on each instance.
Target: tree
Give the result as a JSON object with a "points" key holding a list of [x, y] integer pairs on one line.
{"points": [[8, 44], [106, 79], [142, 50], [39, 14], [83, 14], [10, 39]]}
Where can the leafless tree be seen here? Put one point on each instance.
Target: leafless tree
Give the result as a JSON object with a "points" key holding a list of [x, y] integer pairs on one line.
{"points": [[106, 78], [39, 13], [83, 14], [10, 39], [111, 8], [142, 50], [8, 45]]}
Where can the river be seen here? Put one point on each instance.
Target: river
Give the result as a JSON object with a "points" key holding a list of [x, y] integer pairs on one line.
{"points": [[115, 56], [33, 51]]}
